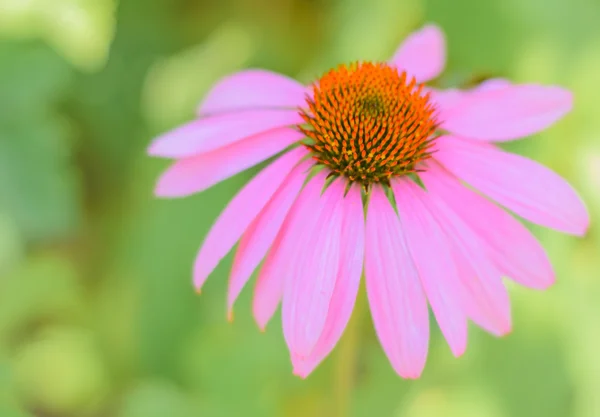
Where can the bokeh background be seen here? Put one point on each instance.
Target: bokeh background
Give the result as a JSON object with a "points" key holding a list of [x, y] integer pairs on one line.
{"points": [[97, 313]]}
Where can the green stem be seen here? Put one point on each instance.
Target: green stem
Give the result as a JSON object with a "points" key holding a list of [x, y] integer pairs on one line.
{"points": [[346, 360]]}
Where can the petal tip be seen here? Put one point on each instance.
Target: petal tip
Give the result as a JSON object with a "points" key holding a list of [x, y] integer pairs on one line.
{"points": [[584, 228], [151, 150], [163, 191], [580, 220], [432, 29], [546, 283], [410, 376], [231, 298], [199, 279], [566, 97], [261, 323], [300, 374], [300, 368], [502, 329], [160, 148], [169, 187], [411, 371], [423, 53], [458, 351], [155, 149], [563, 99]]}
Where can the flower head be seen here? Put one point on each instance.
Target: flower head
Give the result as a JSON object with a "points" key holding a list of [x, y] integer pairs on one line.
{"points": [[369, 122], [384, 176]]}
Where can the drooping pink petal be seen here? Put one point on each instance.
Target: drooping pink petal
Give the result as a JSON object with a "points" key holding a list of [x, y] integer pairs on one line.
{"points": [[396, 297], [346, 284], [501, 114], [313, 264], [432, 256], [422, 54], [191, 175], [493, 318], [251, 89], [485, 300], [529, 189], [240, 212], [509, 244], [276, 267], [268, 290], [210, 133], [261, 234]]}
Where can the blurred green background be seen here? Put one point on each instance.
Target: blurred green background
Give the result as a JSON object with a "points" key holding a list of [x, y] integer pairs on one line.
{"points": [[97, 313]]}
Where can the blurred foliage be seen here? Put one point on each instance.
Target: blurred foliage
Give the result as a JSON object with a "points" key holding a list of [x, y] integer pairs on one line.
{"points": [[97, 314]]}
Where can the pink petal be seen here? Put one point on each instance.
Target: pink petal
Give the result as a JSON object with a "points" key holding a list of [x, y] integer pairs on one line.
{"points": [[500, 114], [346, 284], [261, 234], [529, 189], [432, 255], [210, 133], [485, 299], [269, 286], [493, 84], [197, 173], [396, 298], [251, 89], [240, 212], [446, 100], [509, 244], [313, 266], [422, 54]]}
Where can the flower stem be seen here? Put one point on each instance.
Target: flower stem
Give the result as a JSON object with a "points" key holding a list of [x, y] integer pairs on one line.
{"points": [[346, 360]]}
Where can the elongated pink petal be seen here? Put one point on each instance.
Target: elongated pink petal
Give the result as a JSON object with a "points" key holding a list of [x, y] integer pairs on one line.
{"points": [[261, 234], [276, 268], [509, 244], [501, 114], [396, 298], [252, 89], [346, 284], [268, 290], [210, 133], [313, 268], [529, 189], [493, 318], [240, 212], [422, 54], [432, 255], [485, 300], [192, 175]]}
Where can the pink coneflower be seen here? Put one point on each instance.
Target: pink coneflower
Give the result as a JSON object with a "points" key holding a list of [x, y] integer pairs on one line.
{"points": [[380, 175]]}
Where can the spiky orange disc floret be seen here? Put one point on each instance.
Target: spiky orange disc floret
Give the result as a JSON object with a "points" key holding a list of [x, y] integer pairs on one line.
{"points": [[368, 122]]}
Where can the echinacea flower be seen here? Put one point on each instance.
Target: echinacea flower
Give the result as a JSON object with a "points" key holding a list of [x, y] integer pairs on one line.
{"points": [[382, 175]]}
